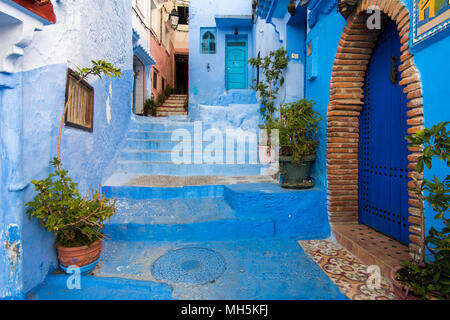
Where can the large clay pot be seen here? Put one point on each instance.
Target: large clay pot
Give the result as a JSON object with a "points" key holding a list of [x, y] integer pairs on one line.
{"points": [[399, 292], [79, 256]]}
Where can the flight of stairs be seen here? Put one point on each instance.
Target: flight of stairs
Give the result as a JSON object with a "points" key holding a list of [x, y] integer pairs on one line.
{"points": [[160, 200], [173, 106], [234, 209]]}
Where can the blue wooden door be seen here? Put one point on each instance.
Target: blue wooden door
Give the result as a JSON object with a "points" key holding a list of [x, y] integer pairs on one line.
{"points": [[236, 64], [383, 151]]}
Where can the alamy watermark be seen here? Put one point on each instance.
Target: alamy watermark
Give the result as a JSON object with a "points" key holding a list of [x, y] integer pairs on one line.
{"points": [[224, 146], [374, 278], [74, 281]]}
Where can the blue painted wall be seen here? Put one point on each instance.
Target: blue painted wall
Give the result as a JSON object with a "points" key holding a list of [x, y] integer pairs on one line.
{"points": [[85, 155], [328, 32], [432, 66], [31, 104], [208, 87]]}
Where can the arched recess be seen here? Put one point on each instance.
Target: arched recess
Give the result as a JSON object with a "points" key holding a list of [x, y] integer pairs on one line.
{"points": [[347, 82]]}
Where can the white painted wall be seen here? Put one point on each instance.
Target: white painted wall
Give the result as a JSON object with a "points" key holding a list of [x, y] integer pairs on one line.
{"points": [[85, 30]]}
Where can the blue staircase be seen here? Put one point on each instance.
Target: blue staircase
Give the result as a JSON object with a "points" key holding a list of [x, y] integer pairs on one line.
{"points": [[235, 210]]}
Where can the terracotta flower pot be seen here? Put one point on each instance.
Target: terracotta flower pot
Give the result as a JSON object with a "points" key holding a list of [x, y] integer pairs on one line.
{"points": [[399, 292], [79, 256]]}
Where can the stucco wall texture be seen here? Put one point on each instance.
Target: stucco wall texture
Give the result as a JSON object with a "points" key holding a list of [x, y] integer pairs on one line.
{"points": [[165, 64], [85, 30]]}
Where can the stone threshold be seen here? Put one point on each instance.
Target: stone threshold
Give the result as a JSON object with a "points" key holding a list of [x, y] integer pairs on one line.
{"points": [[371, 246], [183, 181]]}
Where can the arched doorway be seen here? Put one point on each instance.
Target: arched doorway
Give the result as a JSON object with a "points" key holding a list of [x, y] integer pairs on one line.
{"points": [[354, 54]]}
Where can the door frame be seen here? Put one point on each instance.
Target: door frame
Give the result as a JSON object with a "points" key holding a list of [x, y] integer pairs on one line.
{"points": [[353, 55], [236, 38]]}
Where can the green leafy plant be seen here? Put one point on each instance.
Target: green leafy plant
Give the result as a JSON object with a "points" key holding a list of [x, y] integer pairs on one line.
{"points": [[168, 90], [272, 66], [430, 276], [149, 107], [98, 69], [161, 98], [75, 220], [298, 125]]}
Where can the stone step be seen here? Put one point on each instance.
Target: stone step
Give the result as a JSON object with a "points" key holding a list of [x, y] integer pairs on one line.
{"points": [[54, 287], [217, 212], [197, 219], [147, 182], [171, 105], [169, 168], [170, 109], [171, 113], [167, 155], [149, 135]]}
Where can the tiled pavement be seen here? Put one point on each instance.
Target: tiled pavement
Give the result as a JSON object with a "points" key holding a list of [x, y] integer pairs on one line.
{"points": [[347, 272]]}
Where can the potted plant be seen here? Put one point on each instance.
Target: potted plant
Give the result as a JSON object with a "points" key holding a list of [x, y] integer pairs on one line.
{"points": [[298, 125], [428, 277], [272, 66], [149, 107], [76, 221]]}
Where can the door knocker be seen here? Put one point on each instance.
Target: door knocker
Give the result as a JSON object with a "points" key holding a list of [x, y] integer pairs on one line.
{"points": [[394, 72]]}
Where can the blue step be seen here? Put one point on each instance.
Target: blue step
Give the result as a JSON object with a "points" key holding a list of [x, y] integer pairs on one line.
{"points": [[187, 192], [206, 219], [55, 287], [160, 155], [301, 213], [168, 168], [155, 135]]}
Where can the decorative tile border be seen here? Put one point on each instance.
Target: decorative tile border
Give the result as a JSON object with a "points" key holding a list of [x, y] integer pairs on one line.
{"points": [[346, 271], [434, 29]]}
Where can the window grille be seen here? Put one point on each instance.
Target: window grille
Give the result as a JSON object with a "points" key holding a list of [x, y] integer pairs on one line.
{"points": [[80, 111], [208, 37]]}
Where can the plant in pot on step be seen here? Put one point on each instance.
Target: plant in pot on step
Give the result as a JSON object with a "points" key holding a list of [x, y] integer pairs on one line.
{"points": [[428, 276], [272, 66], [76, 221], [150, 107], [298, 125]]}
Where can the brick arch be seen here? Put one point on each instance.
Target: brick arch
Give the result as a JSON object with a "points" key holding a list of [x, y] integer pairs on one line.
{"points": [[347, 82]]}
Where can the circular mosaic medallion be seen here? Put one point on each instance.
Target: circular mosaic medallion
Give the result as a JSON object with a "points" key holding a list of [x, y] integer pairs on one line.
{"points": [[196, 266]]}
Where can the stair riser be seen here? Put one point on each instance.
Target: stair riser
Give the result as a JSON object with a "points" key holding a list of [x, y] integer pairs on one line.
{"points": [[142, 193], [170, 113], [204, 231], [192, 170], [189, 126], [167, 156], [143, 135], [142, 144], [171, 108], [173, 103]]}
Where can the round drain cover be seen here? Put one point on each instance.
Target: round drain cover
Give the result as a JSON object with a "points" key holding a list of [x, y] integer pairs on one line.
{"points": [[189, 266]]}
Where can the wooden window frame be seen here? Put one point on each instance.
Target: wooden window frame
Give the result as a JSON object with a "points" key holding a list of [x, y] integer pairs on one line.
{"points": [[207, 49], [155, 79], [71, 74]]}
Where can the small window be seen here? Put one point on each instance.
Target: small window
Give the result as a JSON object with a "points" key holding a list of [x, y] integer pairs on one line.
{"points": [[155, 80], [183, 12], [208, 38], [163, 83], [80, 112]]}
